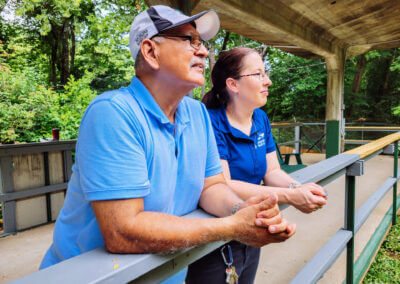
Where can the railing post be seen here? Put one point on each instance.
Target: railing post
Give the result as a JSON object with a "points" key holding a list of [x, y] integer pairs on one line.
{"points": [[297, 138], [349, 225], [47, 182], [279, 136], [356, 169], [395, 166], [9, 207], [67, 157]]}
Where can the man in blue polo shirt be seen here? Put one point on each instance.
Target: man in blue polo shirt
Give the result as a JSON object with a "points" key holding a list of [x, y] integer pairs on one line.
{"points": [[146, 154]]}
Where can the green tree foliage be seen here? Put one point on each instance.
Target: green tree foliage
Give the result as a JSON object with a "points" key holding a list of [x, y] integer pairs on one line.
{"points": [[44, 86], [73, 103], [80, 35], [386, 266], [103, 50], [56, 22], [56, 55], [298, 90], [29, 110]]}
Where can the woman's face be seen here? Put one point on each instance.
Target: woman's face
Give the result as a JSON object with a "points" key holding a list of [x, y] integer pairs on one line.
{"points": [[253, 89]]}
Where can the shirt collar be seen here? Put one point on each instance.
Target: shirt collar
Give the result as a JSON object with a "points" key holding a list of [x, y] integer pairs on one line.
{"points": [[226, 127], [149, 103], [182, 115]]}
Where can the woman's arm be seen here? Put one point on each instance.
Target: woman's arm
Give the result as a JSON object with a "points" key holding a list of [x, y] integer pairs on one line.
{"points": [[275, 176], [306, 198], [246, 190]]}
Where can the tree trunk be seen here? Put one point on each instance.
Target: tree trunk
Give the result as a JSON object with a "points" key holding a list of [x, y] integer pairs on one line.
{"points": [[264, 52], [211, 56], [360, 68], [53, 58], [72, 51], [64, 52], [385, 89], [226, 38]]}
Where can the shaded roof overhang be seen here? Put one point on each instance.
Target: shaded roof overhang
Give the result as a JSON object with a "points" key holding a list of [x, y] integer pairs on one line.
{"points": [[308, 28]]}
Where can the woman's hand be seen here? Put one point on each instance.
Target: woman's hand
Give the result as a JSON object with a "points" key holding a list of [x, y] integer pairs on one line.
{"points": [[307, 197]]}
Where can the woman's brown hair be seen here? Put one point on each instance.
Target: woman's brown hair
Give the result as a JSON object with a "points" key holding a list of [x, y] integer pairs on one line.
{"points": [[228, 65]]}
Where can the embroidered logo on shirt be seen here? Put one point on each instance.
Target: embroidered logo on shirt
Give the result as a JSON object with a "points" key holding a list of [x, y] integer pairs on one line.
{"points": [[260, 140]]}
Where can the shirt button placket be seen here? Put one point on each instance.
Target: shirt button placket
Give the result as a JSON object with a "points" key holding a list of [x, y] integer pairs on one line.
{"points": [[253, 152]]}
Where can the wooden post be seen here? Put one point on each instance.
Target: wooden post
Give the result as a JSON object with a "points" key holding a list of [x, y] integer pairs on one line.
{"points": [[185, 6], [334, 102], [7, 186], [297, 138]]}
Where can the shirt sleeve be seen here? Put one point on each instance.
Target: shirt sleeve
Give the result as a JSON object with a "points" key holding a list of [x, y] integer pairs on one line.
{"points": [[221, 143], [213, 163], [219, 136], [270, 143], [111, 154]]}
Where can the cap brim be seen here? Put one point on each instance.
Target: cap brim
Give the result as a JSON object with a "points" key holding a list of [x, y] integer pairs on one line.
{"points": [[207, 24]]}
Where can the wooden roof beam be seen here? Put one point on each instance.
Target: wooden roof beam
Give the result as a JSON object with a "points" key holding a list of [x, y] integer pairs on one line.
{"points": [[263, 17], [260, 17]]}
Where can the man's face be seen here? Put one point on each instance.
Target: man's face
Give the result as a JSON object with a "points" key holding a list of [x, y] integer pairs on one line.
{"points": [[178, 60]]}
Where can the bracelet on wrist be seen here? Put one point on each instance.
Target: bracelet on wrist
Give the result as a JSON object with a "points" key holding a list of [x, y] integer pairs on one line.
{"points": [[235, 208]]}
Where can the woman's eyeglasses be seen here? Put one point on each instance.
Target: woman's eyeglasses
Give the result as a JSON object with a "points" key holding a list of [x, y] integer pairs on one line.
{"points": [[195, 41], [259, 75]]}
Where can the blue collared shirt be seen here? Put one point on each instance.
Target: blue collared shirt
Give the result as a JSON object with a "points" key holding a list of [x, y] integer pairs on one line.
{"points": [[127, 148], [245, 154]]}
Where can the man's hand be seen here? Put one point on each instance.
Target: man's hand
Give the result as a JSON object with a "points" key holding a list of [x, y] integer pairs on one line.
{"points": [[259, 222], [308, 197]]}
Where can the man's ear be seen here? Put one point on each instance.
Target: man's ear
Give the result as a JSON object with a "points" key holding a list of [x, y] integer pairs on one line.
{"points": [[232, 85], [148, 50]]}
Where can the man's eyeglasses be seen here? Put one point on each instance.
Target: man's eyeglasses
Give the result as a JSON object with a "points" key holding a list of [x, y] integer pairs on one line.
{"points": [[260, 76], [195, 41]]}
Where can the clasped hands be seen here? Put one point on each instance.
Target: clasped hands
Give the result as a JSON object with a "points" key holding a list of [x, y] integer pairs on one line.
{"points": [[259, 221], [307, 197]]}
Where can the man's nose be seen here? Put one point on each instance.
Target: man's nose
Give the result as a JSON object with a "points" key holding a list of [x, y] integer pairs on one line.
{"points": [[202, 52]]}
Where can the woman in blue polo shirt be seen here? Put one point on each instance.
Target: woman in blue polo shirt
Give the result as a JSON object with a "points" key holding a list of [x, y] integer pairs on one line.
{"points": [[248, 157]]}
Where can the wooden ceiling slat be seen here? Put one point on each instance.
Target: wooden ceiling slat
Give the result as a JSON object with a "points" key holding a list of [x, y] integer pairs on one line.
{"points": [[316, 27]]}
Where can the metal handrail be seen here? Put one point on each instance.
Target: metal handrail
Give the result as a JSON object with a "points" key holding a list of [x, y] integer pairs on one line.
{"points": [[98, 266], [344, 238]]}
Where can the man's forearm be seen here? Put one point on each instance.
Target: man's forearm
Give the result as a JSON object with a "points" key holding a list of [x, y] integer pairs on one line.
{"points": [[158, 232], [127, 228]]}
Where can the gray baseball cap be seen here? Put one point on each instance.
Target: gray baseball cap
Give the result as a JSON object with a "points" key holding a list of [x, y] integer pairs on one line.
{"points": [[158, 19]]}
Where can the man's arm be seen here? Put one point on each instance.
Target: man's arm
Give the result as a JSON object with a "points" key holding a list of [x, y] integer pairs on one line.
{"points": [[126, 228]]}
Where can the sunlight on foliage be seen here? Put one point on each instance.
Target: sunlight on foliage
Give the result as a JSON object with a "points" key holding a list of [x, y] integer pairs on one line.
{"points": [[386, 266]]}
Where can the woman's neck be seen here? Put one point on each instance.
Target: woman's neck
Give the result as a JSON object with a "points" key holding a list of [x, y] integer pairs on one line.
{"points": [[240, 117]]}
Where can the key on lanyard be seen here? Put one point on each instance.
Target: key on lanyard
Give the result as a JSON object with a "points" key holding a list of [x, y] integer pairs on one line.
{"points": [[231, 275]]}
